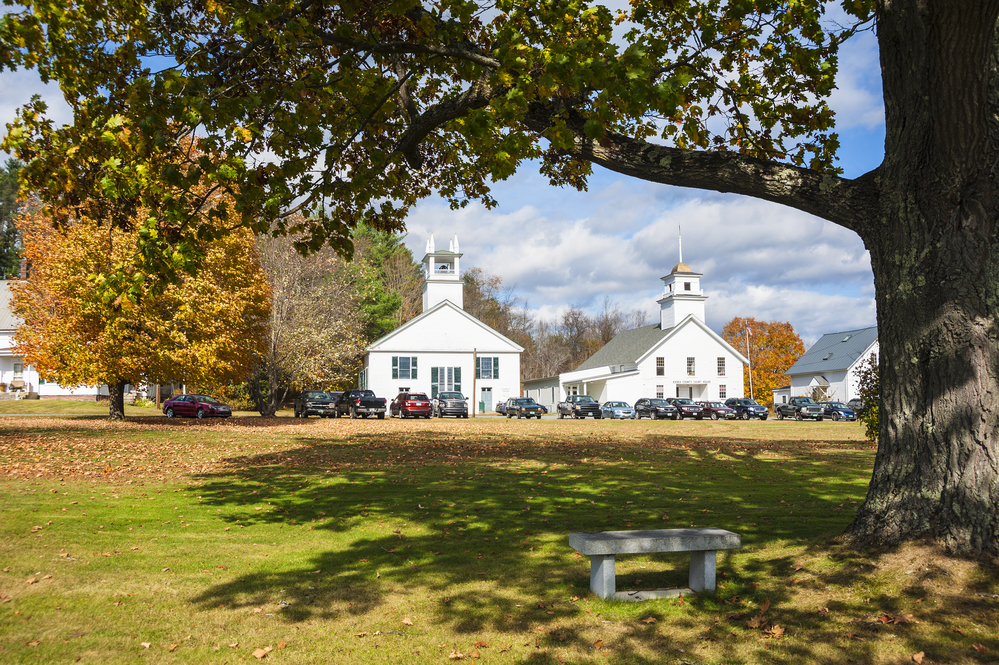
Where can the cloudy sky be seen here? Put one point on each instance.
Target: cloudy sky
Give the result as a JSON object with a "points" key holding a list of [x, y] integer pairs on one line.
{"points": [[559, 247]]}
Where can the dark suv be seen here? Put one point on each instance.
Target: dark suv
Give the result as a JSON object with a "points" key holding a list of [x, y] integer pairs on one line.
{"points": [[315, 403], [746, 408], [450, 404], [686, 407], [655, 408]]}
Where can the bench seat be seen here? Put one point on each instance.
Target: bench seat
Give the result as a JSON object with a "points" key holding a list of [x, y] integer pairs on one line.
{"points": [[702, 544]]}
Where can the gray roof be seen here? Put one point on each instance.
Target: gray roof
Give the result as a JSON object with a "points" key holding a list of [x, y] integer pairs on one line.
{"points": [[835, 351], [7, 319], [627, 347]]}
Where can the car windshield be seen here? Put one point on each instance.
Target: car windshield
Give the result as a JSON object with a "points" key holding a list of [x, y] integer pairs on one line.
{"points": [[581, 398], [750, 402], [659, 402], [206, 399], [617, 405], [316, 394], [717, 405], [837, 405], [451, 396], [684, 401]]}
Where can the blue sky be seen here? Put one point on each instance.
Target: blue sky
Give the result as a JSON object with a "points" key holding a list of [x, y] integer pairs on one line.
{"points": [[558, 247]]}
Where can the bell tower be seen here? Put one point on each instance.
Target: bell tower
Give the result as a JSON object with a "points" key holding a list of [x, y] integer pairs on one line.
{"points": [[442, 275]]}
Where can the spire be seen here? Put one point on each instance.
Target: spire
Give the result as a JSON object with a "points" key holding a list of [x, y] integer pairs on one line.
{"points": [[456, 250], [431, 245], [450, 247]]}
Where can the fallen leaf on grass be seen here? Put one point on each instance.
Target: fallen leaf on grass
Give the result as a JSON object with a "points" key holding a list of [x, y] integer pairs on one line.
{"points": [[978, 647], [918, 657], [34, 643], [855, 636], [757, 622], [234, 645], [456, 655], [649, 620], [31, 580], [408, 621], [260, 653], [764, 606], [823, 611], [481, 644], [959, 631], [257, 610], [145, 645], [775, 631], [282, 644], [473, 654], [598, 644], [361, 634], [172, 647]]}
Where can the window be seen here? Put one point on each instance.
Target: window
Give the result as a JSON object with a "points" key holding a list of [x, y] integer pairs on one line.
{"points": [[403, 367], [486, 368], [721, 367], [660, 366], [18, 371], [722, 392], [690, 366], [686, 286], [659, 392], [363, 379], [444, 379]]}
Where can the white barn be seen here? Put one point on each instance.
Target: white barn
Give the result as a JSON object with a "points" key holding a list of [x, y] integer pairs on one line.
{"points": [[444, 348], [677, 357], [830, 366]]}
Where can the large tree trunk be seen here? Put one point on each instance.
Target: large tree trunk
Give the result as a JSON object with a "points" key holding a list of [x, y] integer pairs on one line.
{"points": [[935, 253], [116, 400]]}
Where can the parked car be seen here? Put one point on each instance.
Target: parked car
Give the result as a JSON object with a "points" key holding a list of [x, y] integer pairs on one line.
{"points": [[361, 403], [801, 408], [579, 406], [857, 406], [716, 410], [450, 404], [746, 408], [316, 403], [838, 411], [523, 407], [655, 408], [500, 408], [617, 411], [196, 406], [686, 407], [410, 405]]}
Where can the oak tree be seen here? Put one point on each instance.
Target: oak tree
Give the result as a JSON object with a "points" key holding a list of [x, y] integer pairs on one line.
{"points": [[204, 330], [771, 346], [354, 108]]}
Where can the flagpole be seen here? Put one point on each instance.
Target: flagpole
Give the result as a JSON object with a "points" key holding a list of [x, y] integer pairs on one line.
{"points": [[749, 357]]}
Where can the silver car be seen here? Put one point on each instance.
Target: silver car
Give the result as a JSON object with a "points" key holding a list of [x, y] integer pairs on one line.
{"points": [[619, 410]]}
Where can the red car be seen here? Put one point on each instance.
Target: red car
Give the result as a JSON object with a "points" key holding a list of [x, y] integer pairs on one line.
{"points": [[410, 404], [196, 406]]}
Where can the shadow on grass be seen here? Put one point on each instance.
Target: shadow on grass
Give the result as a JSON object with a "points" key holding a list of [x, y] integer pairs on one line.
{"points": [[480, 527]]}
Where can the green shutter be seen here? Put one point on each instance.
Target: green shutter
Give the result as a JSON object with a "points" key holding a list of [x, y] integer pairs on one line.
{"points": [[412, 367], [395, 367], [434, 374], [495, 368], [478, 371], [457, 379]]}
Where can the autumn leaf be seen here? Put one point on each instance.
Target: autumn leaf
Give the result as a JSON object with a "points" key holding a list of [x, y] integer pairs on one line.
{"points": [[649, 620], [764, 606], [978, 647], [31, 580], [473, 654], [34, 643], [172, 647], [408, 621], [456, 655], [259, 653], [282, 644], [598, 644], [775, 631], [362, 634], [918, 657], [145, 645], [757, 622], [481, 644]]}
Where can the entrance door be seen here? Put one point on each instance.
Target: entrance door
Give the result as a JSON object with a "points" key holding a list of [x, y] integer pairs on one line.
{"points": [[486, 399]]}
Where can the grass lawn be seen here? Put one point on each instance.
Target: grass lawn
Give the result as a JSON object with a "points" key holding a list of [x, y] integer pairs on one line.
{"points": [[432, 541]]}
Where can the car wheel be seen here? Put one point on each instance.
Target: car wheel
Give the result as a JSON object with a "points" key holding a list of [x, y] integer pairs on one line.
{"points": [[680, 416], [700, 417], [353, 413], [797, 416], [836, 416], [305, 414], [714, 416], [780, 415], [819, 419], [200, 415], [745, 415], [763, 417], [561, 415], [381, 416], [169, 413]]}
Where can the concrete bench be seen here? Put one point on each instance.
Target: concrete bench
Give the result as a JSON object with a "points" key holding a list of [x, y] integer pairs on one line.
{"points": [[701, 543]]}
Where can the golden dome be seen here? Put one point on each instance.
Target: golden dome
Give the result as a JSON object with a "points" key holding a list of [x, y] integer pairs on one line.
{"points": [[681, 267]]}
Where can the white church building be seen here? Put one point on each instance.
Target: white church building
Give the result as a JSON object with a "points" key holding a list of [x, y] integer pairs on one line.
{"points": [[444, 348], [680, 356]]}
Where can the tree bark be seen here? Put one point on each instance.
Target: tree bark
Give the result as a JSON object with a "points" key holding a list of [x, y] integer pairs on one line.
{"points": [[116, 400], [935, 254]]}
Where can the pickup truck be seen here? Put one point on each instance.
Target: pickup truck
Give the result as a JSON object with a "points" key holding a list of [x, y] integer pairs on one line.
{"points": [[579, 406], [361, 403], [800, 408]]}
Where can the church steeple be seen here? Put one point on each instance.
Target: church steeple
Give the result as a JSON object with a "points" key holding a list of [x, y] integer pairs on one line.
{"points": [[442, 275], [682, 296]]}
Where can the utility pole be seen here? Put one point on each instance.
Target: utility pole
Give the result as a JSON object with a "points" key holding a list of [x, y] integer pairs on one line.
{"points": [[475, 363]]}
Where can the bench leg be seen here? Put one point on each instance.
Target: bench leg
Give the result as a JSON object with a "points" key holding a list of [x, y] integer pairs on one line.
{"points": [[602, 575], [702, 571]]}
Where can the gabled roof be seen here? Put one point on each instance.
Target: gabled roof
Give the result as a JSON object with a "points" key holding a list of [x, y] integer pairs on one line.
{"points": [[631, 346], [7, 319], [430, 312], [835, 351]]}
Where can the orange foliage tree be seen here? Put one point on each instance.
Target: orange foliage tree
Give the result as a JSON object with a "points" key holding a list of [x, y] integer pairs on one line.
{"points": [[202, 329], [773, 347]]}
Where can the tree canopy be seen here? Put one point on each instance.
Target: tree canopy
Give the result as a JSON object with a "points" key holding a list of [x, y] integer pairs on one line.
{"points": [[771, 346], [351, 110]]}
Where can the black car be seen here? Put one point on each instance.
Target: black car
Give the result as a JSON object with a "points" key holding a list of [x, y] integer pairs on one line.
{"points": [[656, 409], [523, 407], [686, 407], [857, 406], [838, 411], [746, 408], [316, 403], [450, 404]]}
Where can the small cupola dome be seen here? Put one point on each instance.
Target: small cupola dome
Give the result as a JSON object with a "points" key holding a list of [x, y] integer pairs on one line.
{"points": [[681, 267]]}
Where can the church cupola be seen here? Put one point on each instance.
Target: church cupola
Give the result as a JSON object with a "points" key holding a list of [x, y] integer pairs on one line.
{"points": [[442, 275], [682, 295]]}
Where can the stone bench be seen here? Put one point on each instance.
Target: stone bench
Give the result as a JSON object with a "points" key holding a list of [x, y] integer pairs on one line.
{"points": [[702, 544]]}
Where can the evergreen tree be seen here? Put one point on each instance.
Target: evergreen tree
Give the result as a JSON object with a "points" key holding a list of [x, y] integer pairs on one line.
{"points": [[10, 255]]}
